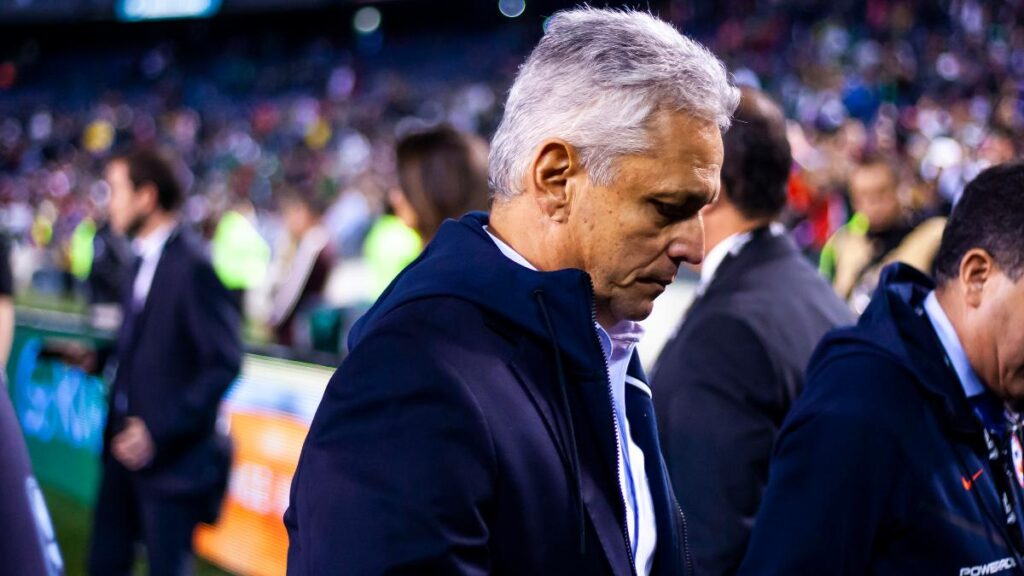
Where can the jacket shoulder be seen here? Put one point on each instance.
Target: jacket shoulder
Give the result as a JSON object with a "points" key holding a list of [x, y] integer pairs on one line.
{"points": [[435, 321], [854, 379]]}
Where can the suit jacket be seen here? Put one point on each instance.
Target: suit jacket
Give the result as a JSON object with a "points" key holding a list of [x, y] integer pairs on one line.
{"points": [[726, 380], [176, 359], [467, 434]]}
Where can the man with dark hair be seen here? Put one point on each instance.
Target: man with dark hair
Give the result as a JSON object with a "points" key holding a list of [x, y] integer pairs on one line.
{"points": [[903, 455], [882, 231], [164, 466], [724, 383]]}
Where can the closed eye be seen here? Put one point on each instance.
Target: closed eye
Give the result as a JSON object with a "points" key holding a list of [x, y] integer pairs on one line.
{"points": [[676, 211]]}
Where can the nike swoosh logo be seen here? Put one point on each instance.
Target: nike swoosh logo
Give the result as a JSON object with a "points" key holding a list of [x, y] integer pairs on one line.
{"points": [[968, 484]]}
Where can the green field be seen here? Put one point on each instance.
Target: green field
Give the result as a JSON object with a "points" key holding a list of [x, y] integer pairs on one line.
{"points": [[72, 522]]}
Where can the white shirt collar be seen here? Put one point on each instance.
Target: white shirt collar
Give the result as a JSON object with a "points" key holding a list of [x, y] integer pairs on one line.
{"points": [[954, 349], [509, 252], [730, 245], [153, 244]]}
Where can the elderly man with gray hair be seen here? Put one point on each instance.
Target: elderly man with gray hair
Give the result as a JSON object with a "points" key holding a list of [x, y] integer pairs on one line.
{"points": [[492, 416]]}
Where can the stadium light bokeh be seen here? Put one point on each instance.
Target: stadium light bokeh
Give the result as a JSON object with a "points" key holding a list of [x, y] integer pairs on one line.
{"points": [[367, 20], [512, 8]]}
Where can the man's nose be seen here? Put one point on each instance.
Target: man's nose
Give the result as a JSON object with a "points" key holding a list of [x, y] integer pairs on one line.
{"points": [[687, 243]]}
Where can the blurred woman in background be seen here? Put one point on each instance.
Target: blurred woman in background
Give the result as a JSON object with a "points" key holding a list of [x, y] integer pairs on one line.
{"points": [[442, 173]]}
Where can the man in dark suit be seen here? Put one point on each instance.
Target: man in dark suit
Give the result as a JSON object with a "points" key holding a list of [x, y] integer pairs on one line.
{"points": [[164, 464], [724, 383]]}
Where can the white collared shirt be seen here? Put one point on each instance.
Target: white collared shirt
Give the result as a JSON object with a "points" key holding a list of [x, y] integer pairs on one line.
{"points": [[731, 245], [954, 349], [149, 249], [618, 346]]}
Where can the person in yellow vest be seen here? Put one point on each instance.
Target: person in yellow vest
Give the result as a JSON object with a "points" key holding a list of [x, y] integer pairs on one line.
{"points": [[239, 254], [881, 231]]}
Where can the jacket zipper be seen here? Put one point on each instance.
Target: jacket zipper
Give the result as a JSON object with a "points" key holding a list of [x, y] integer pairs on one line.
{"points": [[615, 426], [686, 538]]}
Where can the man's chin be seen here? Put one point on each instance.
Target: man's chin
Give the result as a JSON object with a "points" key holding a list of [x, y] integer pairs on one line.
{"points": [[636, 311]]}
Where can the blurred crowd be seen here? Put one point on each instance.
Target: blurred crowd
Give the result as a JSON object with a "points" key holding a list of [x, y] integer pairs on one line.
{"points": [[928, 93]]}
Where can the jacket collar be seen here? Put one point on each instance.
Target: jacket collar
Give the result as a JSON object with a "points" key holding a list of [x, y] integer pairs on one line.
{"points": [[762, 246], [463, 262], [895, 326]]}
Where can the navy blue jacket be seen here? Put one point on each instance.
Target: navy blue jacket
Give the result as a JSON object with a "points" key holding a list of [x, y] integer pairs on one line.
{"points": [[469, 421], [176, 359], [876, 470]]}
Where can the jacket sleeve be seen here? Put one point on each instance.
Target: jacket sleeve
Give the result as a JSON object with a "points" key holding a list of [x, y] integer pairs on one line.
{"points": [[212, 324], [397, 471], [831, 490], [720, 403]]}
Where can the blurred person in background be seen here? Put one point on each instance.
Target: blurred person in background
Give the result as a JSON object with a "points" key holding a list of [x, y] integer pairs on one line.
{"points": [[903, 454], [882, 231], [102, 259], [239, 254], [726, 380], [442, 173], [6, 301], [29, 544], [492, 415], [301, 267], [999, 146], [164, 465]]}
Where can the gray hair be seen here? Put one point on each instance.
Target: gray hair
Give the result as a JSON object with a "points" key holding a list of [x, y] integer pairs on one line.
{"points": [[594, 80]]}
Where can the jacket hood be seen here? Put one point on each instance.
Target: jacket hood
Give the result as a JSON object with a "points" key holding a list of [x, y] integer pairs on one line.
{"points": [[894, 326], [463, 262]]}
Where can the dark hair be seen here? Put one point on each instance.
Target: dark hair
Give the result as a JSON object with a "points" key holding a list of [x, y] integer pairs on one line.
{"points": [[990, 216], [147, 166], [443, 174], [755, 172]]}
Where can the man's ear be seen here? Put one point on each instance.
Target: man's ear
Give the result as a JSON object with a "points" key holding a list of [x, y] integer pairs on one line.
{"points": [[150, 196], [976, 268], [550, 177], [720, 199]]}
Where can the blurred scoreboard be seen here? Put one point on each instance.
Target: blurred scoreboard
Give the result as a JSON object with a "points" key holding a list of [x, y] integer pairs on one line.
{"points": [[138, 10]]}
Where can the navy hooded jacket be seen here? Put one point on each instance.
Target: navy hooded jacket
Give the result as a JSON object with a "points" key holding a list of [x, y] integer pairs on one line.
{"points": [[470, 431], [881, 466]]}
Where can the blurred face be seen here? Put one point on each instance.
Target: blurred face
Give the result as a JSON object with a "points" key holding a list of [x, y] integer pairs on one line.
{"points": [[128, 207], [995, 335], [632, 235], [297, 218], [996, 149], [873, 193]]}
